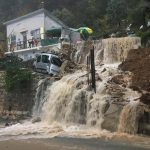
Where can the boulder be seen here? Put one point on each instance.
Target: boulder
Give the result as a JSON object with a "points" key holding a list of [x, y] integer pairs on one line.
{"points": [[111, 117], [37, 119]]}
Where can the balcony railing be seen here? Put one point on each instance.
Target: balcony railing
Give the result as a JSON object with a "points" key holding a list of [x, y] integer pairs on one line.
{"points": [[31, 43]]}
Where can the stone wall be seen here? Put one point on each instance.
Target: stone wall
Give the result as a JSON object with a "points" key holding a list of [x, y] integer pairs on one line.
{"points": [[19, 101]]}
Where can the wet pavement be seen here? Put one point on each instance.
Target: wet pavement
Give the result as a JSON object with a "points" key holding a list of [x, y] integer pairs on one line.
{"points": [[61, 143]]}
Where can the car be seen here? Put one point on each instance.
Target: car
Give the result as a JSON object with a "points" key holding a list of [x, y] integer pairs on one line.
{"points": [[47, 63]]}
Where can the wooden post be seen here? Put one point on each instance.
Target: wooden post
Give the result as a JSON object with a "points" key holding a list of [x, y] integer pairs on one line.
{"points": [[93, 69], [88, 69]]}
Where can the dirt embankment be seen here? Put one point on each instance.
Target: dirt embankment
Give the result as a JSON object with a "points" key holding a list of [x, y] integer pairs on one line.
{"points": [[138, 62]]}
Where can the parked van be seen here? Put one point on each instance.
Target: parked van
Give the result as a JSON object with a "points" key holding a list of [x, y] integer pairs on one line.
{"points": [[47, 63]]}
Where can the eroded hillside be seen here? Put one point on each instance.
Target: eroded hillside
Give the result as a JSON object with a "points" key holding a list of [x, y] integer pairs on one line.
{"points": [[138, 62]]}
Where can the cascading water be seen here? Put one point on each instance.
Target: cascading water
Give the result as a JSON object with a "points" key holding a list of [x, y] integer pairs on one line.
{"points": [[70, 108], [39, 97], [107, 51], [116, 50], [58, 107], [74, 103], [130, 116], [69, 105]]}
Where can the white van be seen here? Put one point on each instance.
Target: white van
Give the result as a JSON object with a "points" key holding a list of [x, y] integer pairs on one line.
{"points": [[47, 63]]}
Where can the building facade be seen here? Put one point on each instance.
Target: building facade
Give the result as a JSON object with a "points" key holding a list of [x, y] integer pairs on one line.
{"points": [[28, 34]]}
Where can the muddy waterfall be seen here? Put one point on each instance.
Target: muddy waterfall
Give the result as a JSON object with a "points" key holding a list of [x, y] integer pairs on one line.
{"points": [[70, 107], [114, 107]]}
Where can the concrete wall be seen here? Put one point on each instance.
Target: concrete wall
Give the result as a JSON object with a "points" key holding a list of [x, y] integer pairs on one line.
{"points": [[49, 23], [27, 55], [27, 24]]}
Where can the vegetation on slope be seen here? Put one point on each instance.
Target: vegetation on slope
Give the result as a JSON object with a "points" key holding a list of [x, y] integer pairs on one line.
{"points": [[103, 16], [16, 76]]}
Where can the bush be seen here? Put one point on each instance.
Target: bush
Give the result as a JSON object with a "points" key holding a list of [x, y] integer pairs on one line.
{"points": [[145, 36], [17, 77]]}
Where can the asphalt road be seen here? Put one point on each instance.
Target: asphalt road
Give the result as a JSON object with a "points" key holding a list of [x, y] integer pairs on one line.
{"points": [[60, 143]]}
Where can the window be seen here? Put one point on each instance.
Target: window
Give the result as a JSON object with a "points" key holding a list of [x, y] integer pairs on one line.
{"points": [[13, 39], [35, 33], [45, 59], [38, 58], [56, 61]]}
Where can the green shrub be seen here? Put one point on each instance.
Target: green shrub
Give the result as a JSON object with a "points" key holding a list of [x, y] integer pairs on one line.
{"points": [[17, 77], [145, 36]]}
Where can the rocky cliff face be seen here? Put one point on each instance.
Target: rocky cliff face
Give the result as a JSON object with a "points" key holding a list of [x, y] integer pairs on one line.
{"points": [[71, 100], [138, 62], [130, 84]]}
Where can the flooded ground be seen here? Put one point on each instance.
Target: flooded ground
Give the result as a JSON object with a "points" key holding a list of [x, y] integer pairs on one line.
{"points": [[68, 137], [67, 144], [72, 117]]}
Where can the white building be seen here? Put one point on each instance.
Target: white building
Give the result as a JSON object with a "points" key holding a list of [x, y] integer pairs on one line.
{"points": [[33, 32]]}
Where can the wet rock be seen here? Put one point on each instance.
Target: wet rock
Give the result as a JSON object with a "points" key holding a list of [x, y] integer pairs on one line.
{"points": [[130, 117], [106, 107], [116, 91], [135, 88], [37, 119], [103, 70], [122, 79], [145, 98], [144, 124], [69, 67], [111, 117], [138, 62], [97, 77], [9, 124], [63, 66]]}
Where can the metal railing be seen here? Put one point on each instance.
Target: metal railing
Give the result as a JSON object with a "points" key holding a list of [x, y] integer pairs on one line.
{"points": [[31, 43]]}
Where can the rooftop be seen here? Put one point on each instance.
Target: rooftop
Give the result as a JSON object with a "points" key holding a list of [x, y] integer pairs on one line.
{"points": [[36, 13]]}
